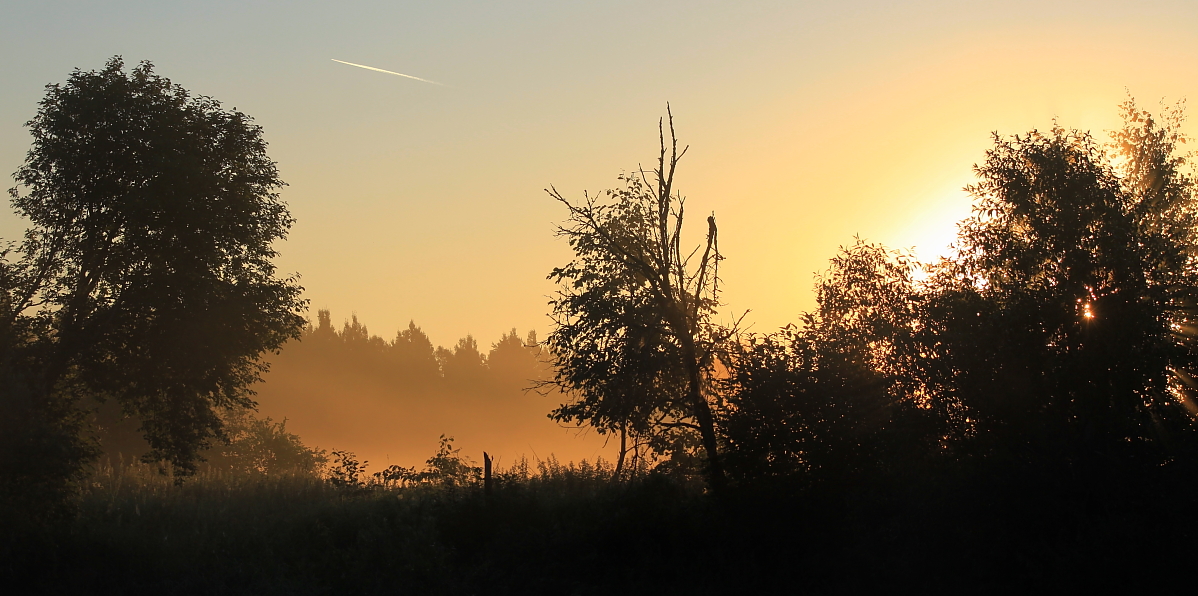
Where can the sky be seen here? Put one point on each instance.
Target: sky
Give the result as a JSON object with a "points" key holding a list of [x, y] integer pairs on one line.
{"points": [[809, 123]]}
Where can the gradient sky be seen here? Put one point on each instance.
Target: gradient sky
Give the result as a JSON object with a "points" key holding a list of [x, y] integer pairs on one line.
{"points": [[809, 122]]}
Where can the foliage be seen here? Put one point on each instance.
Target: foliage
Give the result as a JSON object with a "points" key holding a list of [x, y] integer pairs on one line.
{"points": [[263, 446], [145, 276], [1064, 325], [446, 468], [632, 341], [44, 453], [347, 472], [831, 398], [1056, 342]]}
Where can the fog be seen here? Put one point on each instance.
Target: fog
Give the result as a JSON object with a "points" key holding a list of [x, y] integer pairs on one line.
{"points": [[389, 401]]}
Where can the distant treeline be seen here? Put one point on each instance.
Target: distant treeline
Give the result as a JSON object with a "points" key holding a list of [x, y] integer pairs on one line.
{"points": [[398, 395], [387, 400], [410, 363]]}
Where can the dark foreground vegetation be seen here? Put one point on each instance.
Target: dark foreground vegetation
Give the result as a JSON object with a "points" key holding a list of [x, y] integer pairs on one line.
{"points": [[1019, 416], [570, 530]]}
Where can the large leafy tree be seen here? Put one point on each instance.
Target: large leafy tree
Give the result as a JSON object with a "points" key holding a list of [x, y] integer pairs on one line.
{"points": [[146, 274], [633, 341], [1065, 324], [833, 397]]}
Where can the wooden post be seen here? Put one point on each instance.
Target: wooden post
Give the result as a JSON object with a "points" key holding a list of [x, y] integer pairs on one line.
{"points": [[487, 483]]}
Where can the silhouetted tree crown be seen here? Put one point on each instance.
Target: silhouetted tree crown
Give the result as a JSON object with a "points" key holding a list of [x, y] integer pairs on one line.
{"points": [[146, 275], [632, 341], [831, 398], [1074, 291]]}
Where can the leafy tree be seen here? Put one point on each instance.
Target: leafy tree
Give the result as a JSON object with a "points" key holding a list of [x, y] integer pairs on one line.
{"points": [[146, 275], [263, 446], [831, 397], [627, 379], [633, 340], [1064, 325]]}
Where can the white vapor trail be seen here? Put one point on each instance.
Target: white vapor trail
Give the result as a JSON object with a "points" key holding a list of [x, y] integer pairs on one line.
{"points": [[387, 71]]}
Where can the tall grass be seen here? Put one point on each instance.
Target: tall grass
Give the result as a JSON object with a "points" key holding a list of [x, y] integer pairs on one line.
{"points": [[565, 528], [547, 526]]}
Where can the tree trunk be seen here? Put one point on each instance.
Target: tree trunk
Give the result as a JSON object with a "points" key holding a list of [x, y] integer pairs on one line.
{"points": [[702, 412], [623, 450], [706, 421]]}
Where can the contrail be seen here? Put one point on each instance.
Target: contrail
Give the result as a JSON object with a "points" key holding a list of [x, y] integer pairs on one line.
{"points": [[387, 71]]}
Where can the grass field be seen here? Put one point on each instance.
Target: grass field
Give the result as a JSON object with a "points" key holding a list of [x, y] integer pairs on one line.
{"points": [[550, 528]]}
